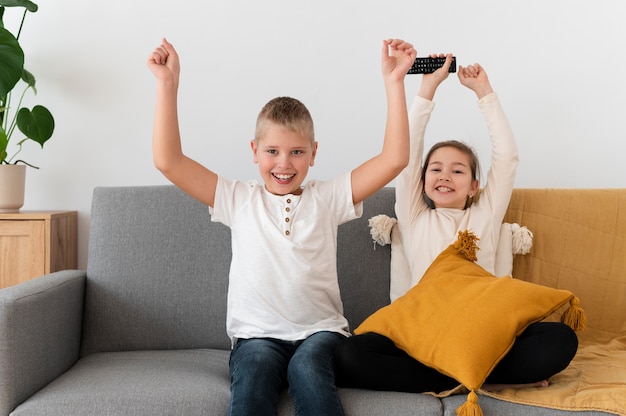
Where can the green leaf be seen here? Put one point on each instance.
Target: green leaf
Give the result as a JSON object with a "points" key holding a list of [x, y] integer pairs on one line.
{"points": [[37, 125], [11, 62], [29, 79], [4, 142], [29, 5]]}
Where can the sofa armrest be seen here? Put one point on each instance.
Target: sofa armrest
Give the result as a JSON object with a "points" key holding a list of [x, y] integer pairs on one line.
{"points": [[40, 332]]}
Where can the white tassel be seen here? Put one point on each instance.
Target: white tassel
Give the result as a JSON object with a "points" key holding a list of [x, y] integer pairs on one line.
{"points": [[522, 239], [380, 229]]}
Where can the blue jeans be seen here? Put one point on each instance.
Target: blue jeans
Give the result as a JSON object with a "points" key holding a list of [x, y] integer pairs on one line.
{"points": [[260, 368]]}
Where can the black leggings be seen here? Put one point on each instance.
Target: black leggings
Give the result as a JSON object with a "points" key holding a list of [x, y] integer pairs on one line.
{"points": [[372, 361]]}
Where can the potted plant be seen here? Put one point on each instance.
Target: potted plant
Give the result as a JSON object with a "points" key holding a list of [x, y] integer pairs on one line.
{"points": [[36, 124]]}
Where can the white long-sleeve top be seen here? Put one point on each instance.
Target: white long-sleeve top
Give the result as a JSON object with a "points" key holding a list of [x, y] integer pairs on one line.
{"points": [[422, 233]]}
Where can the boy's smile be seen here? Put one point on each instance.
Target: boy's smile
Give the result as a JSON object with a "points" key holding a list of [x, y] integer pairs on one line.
{"points": [[283, 178], [284, 158]]}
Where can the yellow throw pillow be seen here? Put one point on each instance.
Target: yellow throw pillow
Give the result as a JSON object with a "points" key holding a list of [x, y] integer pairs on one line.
{"points": [[461, 320]]}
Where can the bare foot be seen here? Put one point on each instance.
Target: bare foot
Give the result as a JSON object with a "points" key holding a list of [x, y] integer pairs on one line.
{"points": [[500, 387]]}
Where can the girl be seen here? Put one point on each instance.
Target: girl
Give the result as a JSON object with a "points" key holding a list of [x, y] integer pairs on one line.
{"points": [[433, 203]]}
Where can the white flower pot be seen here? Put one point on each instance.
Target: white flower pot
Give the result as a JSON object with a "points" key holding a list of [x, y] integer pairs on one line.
{"points": [[12, 182]]}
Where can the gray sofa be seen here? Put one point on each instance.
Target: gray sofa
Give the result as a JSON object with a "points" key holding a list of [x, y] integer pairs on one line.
{"points": [[142, 330]]}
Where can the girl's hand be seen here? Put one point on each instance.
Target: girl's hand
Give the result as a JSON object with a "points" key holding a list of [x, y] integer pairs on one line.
{"points": [[475, 78], [397, 58], [164, 62], [431, 81]]}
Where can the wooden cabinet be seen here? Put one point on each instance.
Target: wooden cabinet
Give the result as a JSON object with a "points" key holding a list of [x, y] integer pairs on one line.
{"points": [[34, 243]]}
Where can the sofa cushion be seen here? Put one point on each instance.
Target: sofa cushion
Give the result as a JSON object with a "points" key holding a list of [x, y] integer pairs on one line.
{"points": [[157, 272], [461, 320], [375, 403], [189, 382], [362, 266], [184, 382]]}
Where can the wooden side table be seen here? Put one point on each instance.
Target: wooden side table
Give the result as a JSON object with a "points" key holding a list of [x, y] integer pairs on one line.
{"points": [[34, 243]]}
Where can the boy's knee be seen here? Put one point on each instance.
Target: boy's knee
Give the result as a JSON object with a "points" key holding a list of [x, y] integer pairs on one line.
{"points": [[257, 358]]}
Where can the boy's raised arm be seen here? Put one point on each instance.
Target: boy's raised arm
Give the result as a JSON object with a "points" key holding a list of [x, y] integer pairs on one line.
{"points": [[397, 58], [187, 174]]}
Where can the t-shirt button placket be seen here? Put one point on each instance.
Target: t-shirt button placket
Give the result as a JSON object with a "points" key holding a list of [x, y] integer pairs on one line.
{"points": [[287, 219]]}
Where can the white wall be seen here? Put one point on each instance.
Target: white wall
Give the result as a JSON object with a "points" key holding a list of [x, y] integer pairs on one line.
{"points": [[557, 65]]}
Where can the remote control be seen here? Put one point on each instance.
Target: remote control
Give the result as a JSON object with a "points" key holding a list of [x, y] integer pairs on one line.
{"points": [[428, 65]]}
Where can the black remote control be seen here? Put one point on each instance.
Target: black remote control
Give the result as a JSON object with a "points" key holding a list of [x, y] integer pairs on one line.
{"points": [[428, 65]]}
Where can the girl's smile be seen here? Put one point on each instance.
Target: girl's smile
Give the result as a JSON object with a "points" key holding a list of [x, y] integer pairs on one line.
{"points": [[448, 179]]}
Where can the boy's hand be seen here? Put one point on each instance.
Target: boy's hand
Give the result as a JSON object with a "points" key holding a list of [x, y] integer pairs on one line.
{"points": [[397, 58], [475, 78], [164, 63], [431, 81]]}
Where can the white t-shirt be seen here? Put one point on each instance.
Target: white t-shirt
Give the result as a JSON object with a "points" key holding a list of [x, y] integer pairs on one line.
{"points": [[423, 233], [283, 275]]}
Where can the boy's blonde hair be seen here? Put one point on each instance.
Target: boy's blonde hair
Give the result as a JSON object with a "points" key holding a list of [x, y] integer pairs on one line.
{"points": [[286, 112]]}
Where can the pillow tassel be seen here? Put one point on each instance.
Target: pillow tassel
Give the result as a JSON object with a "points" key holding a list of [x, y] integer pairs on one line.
{"points": [[466, 244], [470, 407], [522, 240], [380, 229], [575, 316]]}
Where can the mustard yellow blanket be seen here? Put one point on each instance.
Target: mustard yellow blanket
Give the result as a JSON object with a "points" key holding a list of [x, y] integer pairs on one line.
{"points": [[579, 244], [595, 380]]}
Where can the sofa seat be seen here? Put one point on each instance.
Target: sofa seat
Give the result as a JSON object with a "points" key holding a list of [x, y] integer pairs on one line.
{"points": [[189, 382], [181, 382]]}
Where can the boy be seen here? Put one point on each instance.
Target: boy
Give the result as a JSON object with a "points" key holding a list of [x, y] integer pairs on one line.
{"points": [[284, 309]]}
